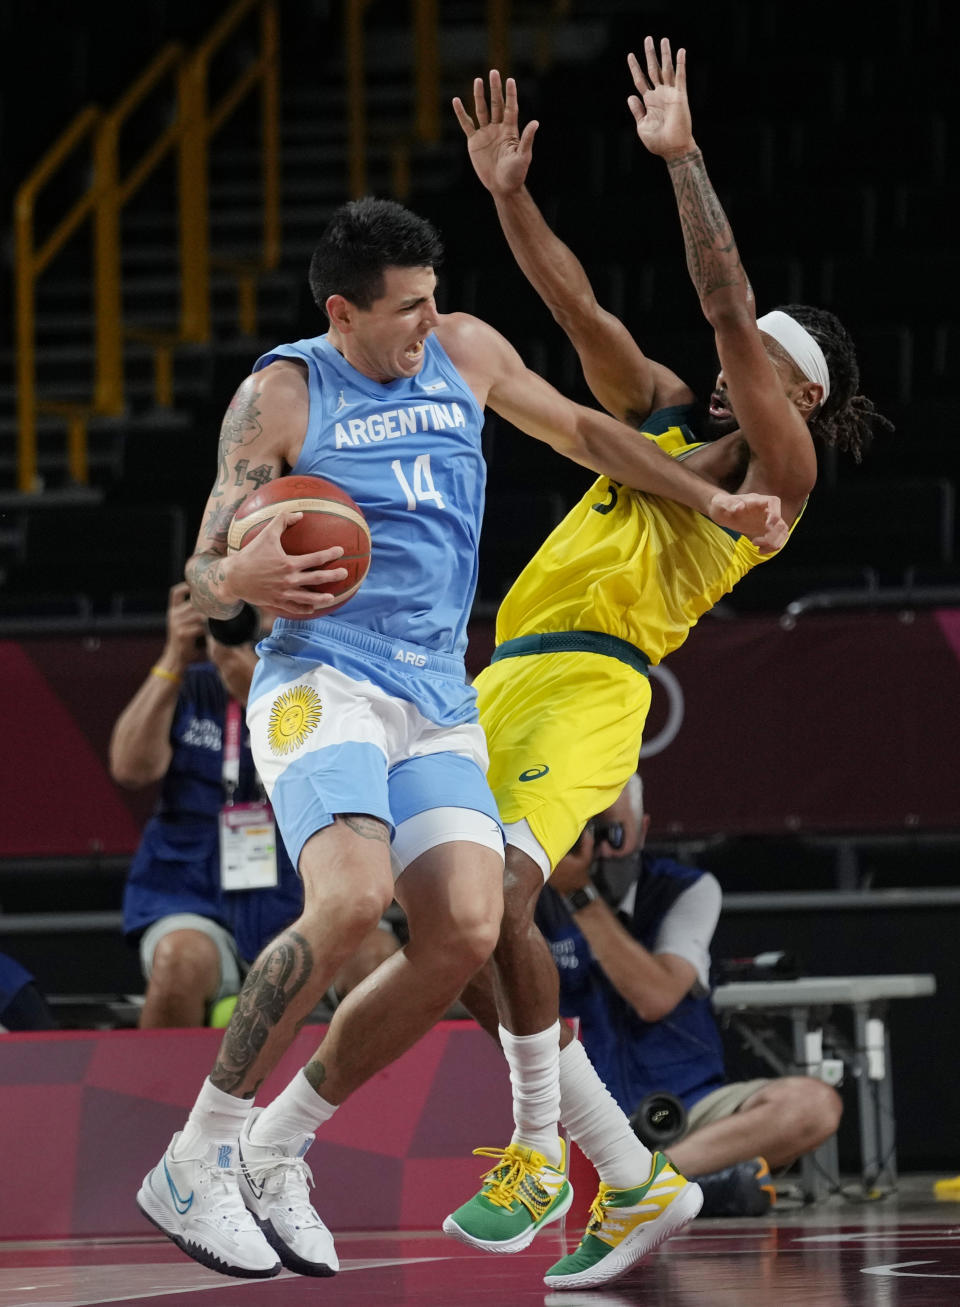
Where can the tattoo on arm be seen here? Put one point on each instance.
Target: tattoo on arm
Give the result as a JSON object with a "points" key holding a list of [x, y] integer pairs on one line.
{"points": [[241, 426], [368, 828], [204, 574], [277, 976], [258, 475], [218, 522], [712, 256]]}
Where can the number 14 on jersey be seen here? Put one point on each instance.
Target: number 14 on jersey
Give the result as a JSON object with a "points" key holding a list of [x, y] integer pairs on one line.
{"points": [[423, 488]]}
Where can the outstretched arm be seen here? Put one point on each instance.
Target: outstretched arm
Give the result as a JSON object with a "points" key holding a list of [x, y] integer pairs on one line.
{"points": [[499, 378], [783, 460], [624, 380]]}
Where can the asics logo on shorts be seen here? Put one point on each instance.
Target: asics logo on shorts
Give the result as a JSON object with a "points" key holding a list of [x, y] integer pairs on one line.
{"points": [[534, 773]]}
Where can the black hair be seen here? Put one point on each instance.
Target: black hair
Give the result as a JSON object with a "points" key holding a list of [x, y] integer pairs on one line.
{"points": [[846, 419], [361, 240]]}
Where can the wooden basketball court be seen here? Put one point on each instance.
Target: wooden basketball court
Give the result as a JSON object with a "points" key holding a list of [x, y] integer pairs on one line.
{"points": [[899, 1251]]}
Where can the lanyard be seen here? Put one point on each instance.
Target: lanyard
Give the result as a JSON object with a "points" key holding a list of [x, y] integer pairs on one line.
{"points": [[248, 836], [231, 749]]}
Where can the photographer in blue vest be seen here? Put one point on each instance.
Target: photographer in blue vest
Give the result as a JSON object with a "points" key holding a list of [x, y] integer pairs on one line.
{"points": [[211, 881], [630, 935]]}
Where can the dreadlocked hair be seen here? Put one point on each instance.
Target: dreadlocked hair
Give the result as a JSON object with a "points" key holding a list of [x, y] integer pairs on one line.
{"points": [[847, 419]]}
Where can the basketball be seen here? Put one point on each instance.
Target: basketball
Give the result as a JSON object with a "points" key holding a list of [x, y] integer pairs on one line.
{"points": [[330, 517]]}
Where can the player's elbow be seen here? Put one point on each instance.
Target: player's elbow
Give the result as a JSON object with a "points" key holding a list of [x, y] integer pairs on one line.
{"points": [[730, 309], [576, 313]]}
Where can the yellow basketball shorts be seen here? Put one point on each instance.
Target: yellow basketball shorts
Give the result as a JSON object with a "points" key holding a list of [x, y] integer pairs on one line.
{"points": [[563, 733]]}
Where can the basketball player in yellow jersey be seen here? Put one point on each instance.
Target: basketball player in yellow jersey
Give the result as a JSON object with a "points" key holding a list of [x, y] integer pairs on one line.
{"points": [[616, 587]]}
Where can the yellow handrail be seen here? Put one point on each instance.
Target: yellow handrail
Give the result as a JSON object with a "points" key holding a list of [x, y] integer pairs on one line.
{"points": [[356, 97], [29, 265], [426, 126], [427, 69], [111, 195], [203, 124], [191, 131], [498, 34]]}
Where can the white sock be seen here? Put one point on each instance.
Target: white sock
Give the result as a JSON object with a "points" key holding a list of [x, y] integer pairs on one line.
{"points": [[535, 1078], [590, 1114], [215, 1117], [298, 1110]]}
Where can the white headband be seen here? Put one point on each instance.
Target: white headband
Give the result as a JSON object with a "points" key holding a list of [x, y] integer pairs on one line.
{"points": [[800, 345]]}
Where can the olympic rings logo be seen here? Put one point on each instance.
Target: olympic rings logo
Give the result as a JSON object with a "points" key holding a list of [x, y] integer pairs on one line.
{"points": [[671, 727]]}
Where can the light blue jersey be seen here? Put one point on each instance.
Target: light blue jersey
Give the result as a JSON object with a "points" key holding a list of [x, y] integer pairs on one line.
{"points": [[408, 451]]}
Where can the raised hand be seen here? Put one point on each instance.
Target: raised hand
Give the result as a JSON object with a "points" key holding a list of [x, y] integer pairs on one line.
{"points": [[185, 625], [661, 110], [499, 154]]}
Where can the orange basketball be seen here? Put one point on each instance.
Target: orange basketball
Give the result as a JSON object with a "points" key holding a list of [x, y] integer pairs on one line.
{"points": [[330, 517]]}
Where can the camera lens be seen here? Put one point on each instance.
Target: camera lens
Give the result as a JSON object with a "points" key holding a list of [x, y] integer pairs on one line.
{"points": [[659, 1119], [612, 832], [232, 631]]}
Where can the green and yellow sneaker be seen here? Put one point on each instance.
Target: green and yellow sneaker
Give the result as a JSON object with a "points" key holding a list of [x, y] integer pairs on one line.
{"points": [[625, 1225], [520, 1195]]}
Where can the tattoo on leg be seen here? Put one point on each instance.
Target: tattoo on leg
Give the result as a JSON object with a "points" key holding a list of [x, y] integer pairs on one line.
{"points": [[368, 828], [316, 1073], [280, 972]]}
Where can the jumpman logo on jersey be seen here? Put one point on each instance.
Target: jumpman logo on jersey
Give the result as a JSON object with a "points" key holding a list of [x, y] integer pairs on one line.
{"points": [[342, 403]]}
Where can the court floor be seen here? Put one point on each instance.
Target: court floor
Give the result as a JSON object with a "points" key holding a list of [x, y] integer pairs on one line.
{"points": [[899, 1251]]}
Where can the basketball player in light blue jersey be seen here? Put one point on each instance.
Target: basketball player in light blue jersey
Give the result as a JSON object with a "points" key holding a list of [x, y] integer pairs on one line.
{"points": [[362, 725]]}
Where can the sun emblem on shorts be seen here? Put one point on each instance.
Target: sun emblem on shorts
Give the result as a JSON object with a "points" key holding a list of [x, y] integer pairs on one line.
{"points": [[294, 715]]}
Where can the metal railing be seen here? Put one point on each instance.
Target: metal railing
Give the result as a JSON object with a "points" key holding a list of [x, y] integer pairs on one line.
{"points": [[193, 124], [425, 125]]}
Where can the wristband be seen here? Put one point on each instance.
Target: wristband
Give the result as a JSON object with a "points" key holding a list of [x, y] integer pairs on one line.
{"points": [[580, 898], [162, 674], [242, 628]]}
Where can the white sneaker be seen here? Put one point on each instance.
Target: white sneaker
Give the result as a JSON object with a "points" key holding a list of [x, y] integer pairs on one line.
{"points": [[196, 1203], [275, 1185]]}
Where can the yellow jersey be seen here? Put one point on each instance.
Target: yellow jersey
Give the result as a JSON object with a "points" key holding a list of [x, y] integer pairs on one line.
{"points": [[629, 564]]}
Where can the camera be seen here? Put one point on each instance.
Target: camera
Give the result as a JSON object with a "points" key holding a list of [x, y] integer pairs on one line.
{"points": [[659, 1120], [611, 831], [241, 629]]}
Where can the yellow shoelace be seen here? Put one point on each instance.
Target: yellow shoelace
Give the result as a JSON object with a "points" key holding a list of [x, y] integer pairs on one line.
{"points": [[598, 1211], [506, 1177]]}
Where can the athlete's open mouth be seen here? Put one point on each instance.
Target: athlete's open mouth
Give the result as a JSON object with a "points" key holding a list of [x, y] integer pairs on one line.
{"points": [[719, 408], [414, 351]]}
